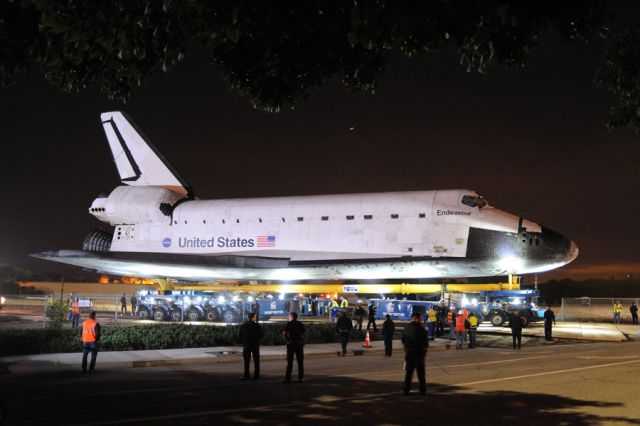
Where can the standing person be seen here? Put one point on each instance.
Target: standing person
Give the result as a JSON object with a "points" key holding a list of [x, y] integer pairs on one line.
{"points": [[617, 310], [549, 322], [294, 335], [388, 328], [75, 313], [134, 305], [343, 328], [465, 314], [414, 339], [344, 303], [250, 335], [441, 315], [516, 324], [90, 338], [123, 305], [473, 329], [372, 318], [432, 318], [359, 313], [634, 313], [451, 320], [460, 330]]}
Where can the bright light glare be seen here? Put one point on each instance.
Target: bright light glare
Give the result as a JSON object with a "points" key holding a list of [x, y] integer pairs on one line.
{"points": [[152, 300], [220, 299], [281, 296], [249, 298], [516, 301], [2, 300], [465, 301], [199, 298], [235, 298], [510, 264], [143, 293], [474, 302], [187, 299]]}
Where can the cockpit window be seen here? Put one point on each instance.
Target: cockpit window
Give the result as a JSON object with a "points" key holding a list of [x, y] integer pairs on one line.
{"points": [[474, 201]]}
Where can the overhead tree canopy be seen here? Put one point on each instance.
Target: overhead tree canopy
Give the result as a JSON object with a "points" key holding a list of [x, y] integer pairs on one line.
{"points": [[275, 52]]}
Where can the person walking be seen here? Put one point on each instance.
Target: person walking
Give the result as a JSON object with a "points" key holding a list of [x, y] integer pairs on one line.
{"points": [[388, 328], [441, 315], [134, 305], [343, 328], [250, 335], [294, 334], [372, 318], [451, 320], [617, 310], [516, 324], [549, 322], [432, 318], [460, 330], [75, 313], [473, 329], [359, 314], [123, 305], [634, 313], [90, 338], [415, 341]]}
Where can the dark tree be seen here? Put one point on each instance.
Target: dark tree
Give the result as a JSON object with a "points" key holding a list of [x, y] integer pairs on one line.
{"points": [[276, 52]]}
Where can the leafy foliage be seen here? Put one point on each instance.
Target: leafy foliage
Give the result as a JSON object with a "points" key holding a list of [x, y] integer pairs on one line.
{"points": [[620, 74], [273, 52], [57, 311], [140, 337]]}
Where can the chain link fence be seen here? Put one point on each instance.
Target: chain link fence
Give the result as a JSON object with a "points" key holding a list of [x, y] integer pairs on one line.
{"points": [[595, 309]]}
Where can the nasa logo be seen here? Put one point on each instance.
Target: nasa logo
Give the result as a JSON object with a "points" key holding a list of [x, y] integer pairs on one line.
{"points": [[166, 243]]}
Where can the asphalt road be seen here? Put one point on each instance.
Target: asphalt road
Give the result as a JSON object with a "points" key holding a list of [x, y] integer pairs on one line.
{"points": [[581, 384]]}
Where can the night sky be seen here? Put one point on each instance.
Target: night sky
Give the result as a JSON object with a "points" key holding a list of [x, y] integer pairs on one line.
{"points": [[532, 141]]}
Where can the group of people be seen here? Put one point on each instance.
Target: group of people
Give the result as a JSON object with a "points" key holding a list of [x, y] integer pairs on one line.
{"points": [[617, 311], [123, 305]]}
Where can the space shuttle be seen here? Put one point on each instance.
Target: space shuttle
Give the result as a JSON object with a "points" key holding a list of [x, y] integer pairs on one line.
{"points": [[159, 229]]}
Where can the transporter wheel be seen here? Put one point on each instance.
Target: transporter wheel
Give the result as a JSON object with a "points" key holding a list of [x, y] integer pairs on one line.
{"points": [[212, 315], [525, 321], [229, 316], [143, 314], [159, 315], [176, 315], [193, 315], [496, 320]]}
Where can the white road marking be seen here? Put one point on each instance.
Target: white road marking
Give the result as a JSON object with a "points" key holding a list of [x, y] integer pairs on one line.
{"points": [[546, 373]]}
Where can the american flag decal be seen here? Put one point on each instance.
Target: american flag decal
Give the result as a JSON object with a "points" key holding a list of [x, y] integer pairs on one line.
{"points": [[266, 241]]}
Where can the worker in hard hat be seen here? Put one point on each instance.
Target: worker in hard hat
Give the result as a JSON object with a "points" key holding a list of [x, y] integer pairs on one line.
{"points": [[460, 330], [473, 329], [432, 318]]}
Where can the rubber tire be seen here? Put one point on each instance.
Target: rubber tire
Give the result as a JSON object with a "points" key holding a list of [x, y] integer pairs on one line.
{"points": [[212, 315], [143, 314], [176, 316], [496, 320], [525, 321], [192, 315], [159, 315], [229, 316]]}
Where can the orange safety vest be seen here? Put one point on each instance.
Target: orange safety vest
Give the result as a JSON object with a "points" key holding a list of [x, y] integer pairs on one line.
{"points": [[460, 323], [465, 314], [89, 331], [449, 317], [75, 308]]}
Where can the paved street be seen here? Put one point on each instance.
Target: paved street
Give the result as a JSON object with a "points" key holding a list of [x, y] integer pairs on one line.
{"points": [[556, 384]]}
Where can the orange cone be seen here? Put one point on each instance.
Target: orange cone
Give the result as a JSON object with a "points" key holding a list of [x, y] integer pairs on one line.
{"points": [[367, 341]]}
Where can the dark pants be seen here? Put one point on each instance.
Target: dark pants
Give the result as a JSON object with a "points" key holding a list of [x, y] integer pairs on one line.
{"points": [[414, 361], [75, 320], [517, 337], [439, 329], [123, 310], [344, 339], [359, 323], [472, 337], [634, 318], [547, 330], [388, 345], [296, 349], [246, 354], [372, 321], [133, 310], [86, 348]]}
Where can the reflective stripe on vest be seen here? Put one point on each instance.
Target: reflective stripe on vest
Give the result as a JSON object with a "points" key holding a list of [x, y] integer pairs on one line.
{"points": [[617, 308], [89, 331], [459, 323], [432, 316], [473, 321], [449, 317]]}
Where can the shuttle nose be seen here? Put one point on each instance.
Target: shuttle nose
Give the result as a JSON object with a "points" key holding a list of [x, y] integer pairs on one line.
{"points": [[573, 252]]}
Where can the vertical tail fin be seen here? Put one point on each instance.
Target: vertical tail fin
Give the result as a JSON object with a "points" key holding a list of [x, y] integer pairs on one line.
{"points": [[139, 163]]}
